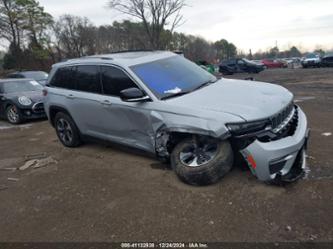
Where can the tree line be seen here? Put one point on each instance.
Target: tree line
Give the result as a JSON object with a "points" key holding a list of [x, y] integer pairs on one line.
{"points": [[36, 39]]}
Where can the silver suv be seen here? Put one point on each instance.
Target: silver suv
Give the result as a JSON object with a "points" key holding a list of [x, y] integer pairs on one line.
{"points": [[164, 104]]}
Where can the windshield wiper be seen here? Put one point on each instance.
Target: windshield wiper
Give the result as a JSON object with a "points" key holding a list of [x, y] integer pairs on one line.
{"points": [[175, 95], [186, 92], [205, 84]]}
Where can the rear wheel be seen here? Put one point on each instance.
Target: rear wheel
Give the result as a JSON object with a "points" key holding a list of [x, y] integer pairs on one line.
{"points": [[67, 131], [202, 161], [13, 115]]}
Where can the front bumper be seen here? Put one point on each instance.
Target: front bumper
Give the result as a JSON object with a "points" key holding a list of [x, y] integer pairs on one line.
{"points": [[310, 63], [268, 160], [35, 112]]}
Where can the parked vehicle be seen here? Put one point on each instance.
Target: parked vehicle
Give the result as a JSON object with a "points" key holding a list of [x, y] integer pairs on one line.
{"points": [[257, 62], [166, 105], [327, 60], [272, 63], [311, 60], [38, 76], [21, 100], [207, 66], [232, 66]]}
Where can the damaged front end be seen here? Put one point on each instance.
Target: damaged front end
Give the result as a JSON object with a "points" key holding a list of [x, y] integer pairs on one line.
{"points": [[275, 149]]}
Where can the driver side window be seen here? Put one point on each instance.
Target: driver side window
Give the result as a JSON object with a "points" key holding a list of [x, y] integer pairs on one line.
{"points": [[115, 80]]}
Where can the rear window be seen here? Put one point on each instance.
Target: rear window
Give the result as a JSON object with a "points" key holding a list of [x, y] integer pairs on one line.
{"points": [[64, 78], [38, 75], [87, 79], [15, 76]]}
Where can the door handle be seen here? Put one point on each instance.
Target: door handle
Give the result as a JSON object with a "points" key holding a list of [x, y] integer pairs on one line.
{"points": [[70, 96]]}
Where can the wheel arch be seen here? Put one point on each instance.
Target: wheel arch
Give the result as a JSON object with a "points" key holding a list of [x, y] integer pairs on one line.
{"points": [[53, 110], [8, 103], [166, 139]]}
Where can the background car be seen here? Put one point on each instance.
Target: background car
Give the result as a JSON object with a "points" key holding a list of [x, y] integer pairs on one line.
{"points": [[311, 60], [38, 76], [268, 63], [239, 66], [20, 100], [207, 66], [327, 60]]}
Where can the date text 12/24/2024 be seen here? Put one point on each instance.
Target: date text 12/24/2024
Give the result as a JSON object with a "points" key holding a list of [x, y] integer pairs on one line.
{"points": [[164, 245]]}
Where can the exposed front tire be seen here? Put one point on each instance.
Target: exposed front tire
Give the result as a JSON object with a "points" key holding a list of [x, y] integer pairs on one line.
{"points": [[202, 161], [13, 115], [67, 131]]}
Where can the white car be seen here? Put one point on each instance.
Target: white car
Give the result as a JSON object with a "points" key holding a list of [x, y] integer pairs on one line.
{"points": [[311, 60]]}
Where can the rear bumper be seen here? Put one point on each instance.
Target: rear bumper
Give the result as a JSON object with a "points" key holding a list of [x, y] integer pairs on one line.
{"points": [[269, 160]]}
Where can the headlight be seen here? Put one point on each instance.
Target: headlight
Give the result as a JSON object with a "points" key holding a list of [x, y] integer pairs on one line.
{"points": [[24, 100], [239, 129]]}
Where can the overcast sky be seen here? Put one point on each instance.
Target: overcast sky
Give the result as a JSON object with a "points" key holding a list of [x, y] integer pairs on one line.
{"points": [[249, 24]]}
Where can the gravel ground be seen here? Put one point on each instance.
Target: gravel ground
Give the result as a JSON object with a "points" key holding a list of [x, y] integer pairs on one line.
{"points": [[105, 193]]}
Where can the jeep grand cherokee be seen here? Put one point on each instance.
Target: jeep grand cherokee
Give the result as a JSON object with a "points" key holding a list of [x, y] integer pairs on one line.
{"points": [[162, 103]]}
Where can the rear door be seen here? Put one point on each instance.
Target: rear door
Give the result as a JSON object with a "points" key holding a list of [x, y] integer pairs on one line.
{"points": [[86, 102], [241, 66]]}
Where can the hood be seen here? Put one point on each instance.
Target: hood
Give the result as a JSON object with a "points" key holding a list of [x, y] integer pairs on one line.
{"points": [[311, 59], [250, 100], [255, 64], [42, 82], [35, 96]]}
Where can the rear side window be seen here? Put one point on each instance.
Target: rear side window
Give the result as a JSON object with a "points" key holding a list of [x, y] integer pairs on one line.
{"points": [[16, 76], [64, 78], [115, 80], [87, 79]]}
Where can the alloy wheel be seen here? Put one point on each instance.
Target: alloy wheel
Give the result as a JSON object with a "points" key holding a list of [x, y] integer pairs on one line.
{"points": [[65, 131], [198, 154], [13, 115]]}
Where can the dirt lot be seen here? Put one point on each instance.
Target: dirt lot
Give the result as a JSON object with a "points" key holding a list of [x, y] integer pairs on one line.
{"points": [[103, 193]]}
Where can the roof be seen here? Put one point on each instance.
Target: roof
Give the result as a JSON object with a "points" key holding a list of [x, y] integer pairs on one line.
{"points": [[14, 80], [28, 71], [121, 58]]}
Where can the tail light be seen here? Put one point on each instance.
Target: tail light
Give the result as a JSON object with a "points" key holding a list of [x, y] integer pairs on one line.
{"points": [[45, 92]]}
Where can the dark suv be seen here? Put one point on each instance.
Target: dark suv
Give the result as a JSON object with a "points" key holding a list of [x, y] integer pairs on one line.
{"points": [[232, 66]]}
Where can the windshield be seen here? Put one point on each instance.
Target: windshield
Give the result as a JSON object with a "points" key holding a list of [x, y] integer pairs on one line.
{"points": [[248, 61], [310, 56], [36, 75], [21, 86], [172, 76]]}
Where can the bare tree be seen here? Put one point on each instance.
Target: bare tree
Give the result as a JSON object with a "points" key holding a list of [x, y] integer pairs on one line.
{"points": [[154, 14], [11, 22], [75, 36]]}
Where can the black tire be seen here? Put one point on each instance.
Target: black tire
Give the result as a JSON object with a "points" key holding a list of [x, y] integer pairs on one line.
{"points": [[208, 173], [10, 114], [70, 135]]}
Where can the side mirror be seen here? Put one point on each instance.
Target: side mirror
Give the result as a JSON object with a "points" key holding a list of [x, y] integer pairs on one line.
{"points": [[133, 95]]}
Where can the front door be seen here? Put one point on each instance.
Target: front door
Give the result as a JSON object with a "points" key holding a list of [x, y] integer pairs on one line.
{"points": [[125, 122]]}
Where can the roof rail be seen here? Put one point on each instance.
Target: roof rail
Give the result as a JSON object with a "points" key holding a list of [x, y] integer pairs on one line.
{"points": [[97, 57], [132, 50]]}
